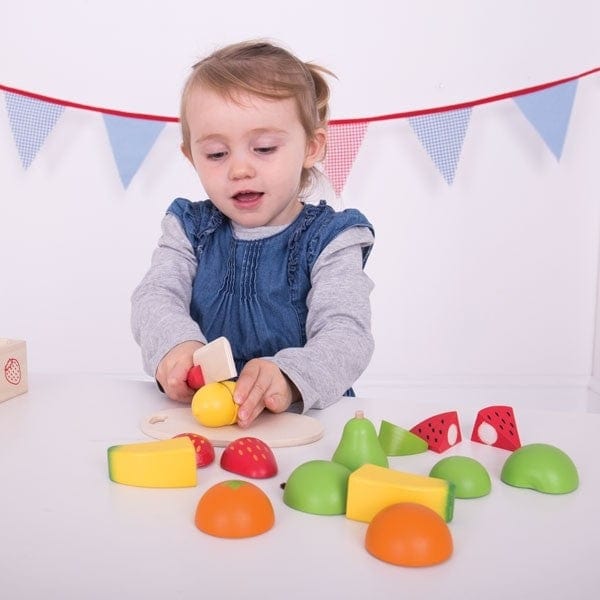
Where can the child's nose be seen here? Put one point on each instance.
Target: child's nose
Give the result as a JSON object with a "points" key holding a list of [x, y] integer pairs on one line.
{"points": [[240, 167]]}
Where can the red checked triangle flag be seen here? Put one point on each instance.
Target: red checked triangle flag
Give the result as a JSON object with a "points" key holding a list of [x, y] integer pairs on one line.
{"points": [[343, 143], [131, 139], [549, 112], [442, 135], [31, 122]]}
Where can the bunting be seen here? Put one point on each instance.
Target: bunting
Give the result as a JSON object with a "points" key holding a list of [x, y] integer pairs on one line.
{"points": [[549, 112], [131, 140], [31, 121], [343, 143], [442, 135], [441, 131]]}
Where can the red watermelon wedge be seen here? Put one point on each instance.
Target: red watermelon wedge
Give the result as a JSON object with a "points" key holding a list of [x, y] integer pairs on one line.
{"points": [[439, 431], [496, 426]]}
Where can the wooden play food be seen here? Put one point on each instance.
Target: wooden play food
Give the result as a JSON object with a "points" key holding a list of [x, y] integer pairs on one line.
{"points": [[213, 405], [249, 457], [359, 444], [162, 464], [372, 488], [397, 441], [496, 426], [541, 467], [234, 509], [441, 431], [319, 487], [205, 453], [409, 535], [470, 477]]}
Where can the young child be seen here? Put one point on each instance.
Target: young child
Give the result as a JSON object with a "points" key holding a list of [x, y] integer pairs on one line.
{"points": [[281, 279]]}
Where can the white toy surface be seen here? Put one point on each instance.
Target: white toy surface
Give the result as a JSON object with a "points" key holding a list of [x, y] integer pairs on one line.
{"points": [[216, 361], [276, 430]]}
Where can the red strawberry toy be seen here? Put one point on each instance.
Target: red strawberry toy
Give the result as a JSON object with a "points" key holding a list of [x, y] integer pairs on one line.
{"points": [[205, 453], [195, 377], [249, 457]]}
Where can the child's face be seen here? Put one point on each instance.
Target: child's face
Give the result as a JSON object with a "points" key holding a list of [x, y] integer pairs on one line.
{"points": [[249, 154]]}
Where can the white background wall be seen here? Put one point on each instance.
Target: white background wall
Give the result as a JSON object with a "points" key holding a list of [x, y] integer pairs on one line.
{"points": [[491, 281]]}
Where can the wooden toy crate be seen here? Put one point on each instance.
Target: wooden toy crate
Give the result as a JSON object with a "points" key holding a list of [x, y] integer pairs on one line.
{"points": [[13, 368]]}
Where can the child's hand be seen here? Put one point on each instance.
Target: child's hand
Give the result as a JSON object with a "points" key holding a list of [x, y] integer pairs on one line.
{"points": [[173, 369], [262, 385]]}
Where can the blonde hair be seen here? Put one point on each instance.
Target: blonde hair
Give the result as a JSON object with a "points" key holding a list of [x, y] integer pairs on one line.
{"points": [[260, 68]]}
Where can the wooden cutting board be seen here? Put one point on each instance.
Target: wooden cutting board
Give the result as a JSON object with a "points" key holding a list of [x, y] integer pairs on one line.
{"points": [[276, 430]]}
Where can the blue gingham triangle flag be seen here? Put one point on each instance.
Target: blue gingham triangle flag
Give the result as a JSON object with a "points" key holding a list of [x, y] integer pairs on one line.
{"points": [[131, 139], [442, 135], [549, 112], [31, 121]]}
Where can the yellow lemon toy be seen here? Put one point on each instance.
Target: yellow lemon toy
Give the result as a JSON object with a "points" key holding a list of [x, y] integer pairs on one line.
{"points": [[213, 405]]}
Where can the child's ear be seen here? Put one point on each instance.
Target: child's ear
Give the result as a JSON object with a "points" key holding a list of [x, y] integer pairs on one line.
{"points": [[315, 148], [186, 152]]}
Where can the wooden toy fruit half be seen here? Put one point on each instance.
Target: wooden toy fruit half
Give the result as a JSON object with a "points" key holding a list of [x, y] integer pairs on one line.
{"points": [[319, 487], [205, 452], [234, 509], [397, 441], [441, 431], [541, 467], [409, 535], [213, 405], [470, 477], [249, 457]]}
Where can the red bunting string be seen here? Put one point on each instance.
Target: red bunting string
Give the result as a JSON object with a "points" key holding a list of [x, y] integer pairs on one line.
{"points": [[399, 115]]}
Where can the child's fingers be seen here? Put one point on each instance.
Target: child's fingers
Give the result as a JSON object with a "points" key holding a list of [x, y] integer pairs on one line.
{"points": [[253, 385], [277, 403], [176, 387]]}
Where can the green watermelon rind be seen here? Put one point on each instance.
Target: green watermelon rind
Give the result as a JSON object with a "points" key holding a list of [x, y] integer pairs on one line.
{"points": [[397, 441]]}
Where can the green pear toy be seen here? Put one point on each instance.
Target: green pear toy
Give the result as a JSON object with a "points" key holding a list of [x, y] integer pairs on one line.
{"points": [[359, 444]]}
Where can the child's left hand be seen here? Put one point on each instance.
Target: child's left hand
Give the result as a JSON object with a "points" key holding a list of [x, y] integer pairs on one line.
{"points": [[262, 385]]}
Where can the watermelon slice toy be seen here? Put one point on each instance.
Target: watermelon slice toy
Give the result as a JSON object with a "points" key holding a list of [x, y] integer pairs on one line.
{"points": [[496, 426], [439, 431]]}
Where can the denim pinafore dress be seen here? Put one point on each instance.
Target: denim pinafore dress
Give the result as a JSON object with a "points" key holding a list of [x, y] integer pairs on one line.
{"points": [[254, 292]]}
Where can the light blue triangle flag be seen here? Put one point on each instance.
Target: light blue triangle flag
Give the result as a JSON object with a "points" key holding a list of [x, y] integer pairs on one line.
{"points": [[442, 135], [131, 139], [31, 121], [549, 112]]}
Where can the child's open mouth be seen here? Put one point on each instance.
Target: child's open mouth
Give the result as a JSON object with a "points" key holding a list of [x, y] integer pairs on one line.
{"points": [[248, 197]]}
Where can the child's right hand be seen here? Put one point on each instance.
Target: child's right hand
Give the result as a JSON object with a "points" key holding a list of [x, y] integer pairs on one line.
{"points": [[173, 369]]}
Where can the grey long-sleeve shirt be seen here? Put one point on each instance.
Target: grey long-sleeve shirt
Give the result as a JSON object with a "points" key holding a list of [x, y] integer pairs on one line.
{"points": [[338, 328]]}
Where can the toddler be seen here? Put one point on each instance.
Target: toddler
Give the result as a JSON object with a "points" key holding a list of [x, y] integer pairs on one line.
{"points": [[281, 279]]}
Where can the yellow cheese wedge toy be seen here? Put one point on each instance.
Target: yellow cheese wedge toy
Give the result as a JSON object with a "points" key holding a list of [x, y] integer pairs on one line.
{"points": [[162, 464], [372, 488]]}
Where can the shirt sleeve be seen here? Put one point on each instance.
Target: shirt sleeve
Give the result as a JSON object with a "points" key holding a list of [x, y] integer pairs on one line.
{"points": [[339, 340], [160, 304]]}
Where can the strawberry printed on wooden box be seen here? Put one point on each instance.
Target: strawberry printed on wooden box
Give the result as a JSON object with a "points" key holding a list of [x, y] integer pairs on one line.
{"points": [[13, 368]]}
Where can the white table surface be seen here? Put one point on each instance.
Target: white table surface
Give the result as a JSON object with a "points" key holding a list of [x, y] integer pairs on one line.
{"points": [[67, 531]]}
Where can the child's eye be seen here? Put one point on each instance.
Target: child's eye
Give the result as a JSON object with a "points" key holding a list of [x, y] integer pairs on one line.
{"points": [[216, 155], [265, 149]]}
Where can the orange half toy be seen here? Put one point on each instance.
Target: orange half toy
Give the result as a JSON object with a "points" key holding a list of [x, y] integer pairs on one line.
{"points": [[234, 509], [409, 535]]}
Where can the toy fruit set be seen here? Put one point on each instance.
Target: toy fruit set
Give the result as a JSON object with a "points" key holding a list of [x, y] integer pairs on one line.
{"points": [[408, 514], [232, 508]]}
